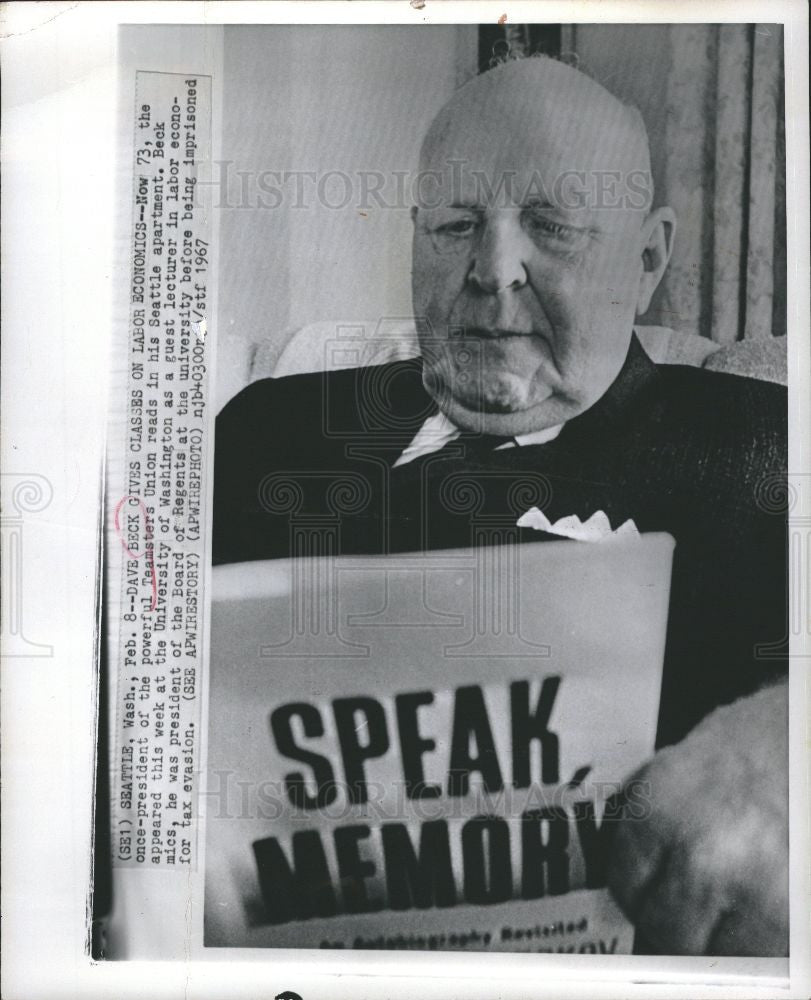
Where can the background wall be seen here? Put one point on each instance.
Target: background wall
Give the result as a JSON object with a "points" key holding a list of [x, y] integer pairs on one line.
{"points": [[313, 98]]}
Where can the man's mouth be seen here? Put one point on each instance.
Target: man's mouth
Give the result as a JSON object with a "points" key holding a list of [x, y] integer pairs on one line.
{"points": [[497, 333]]}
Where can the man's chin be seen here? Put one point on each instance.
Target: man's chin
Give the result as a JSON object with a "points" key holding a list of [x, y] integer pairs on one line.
{"points": [[471, 414], [505, 393], [508, 393], [503, 404]]}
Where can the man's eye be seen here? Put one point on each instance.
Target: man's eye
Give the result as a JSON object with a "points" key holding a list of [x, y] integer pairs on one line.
{"points": [[459, 227], [539, 224]]}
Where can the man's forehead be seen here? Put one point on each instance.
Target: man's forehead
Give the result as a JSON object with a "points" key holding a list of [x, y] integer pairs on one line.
{"points": [[533, 117], [482, 183]]}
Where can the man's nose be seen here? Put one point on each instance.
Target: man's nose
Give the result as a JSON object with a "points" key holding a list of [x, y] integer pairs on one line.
{"points": [[499, 260]]}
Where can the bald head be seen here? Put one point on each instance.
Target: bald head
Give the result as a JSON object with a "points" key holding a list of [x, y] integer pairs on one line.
{"points": [[543, 113]]}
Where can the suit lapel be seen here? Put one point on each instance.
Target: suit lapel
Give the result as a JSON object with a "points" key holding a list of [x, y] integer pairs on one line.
{"points": [[636, 384]]}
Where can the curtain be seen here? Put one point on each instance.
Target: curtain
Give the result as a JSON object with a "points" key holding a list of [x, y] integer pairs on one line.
{"points": [[724, 97]]}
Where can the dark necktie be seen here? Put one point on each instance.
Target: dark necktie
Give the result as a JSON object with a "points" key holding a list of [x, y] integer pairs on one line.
{"points": [[469, 445], [478, 445]]}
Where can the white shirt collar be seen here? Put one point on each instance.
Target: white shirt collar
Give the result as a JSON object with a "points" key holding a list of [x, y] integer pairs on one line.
{"points": [[438, 430]]}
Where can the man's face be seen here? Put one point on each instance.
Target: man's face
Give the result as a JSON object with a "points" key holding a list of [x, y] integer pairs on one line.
{"points": [[526, 265]]}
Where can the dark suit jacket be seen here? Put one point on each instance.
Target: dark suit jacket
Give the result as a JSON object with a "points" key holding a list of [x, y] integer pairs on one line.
{"points": [[304, 464]]}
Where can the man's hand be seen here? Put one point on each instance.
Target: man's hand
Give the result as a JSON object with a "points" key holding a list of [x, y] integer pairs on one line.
{"points": [[705, 869]]}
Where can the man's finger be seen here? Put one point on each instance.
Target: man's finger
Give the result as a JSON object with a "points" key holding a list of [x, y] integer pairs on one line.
{"points": [[639, 842], [680, 909]]}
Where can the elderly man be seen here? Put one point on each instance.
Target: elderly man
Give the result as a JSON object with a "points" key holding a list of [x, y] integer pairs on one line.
{"points": [[536, 244]]}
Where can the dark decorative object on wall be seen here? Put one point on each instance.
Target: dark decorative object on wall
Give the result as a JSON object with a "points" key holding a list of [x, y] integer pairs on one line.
{"points": [[498, 42]]}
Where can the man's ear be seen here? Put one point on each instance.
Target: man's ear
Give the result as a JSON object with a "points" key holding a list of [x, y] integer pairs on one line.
{"points": [[658, 231]]}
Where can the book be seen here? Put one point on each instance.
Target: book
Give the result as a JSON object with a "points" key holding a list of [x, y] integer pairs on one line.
{"points": [[423, 751]]}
